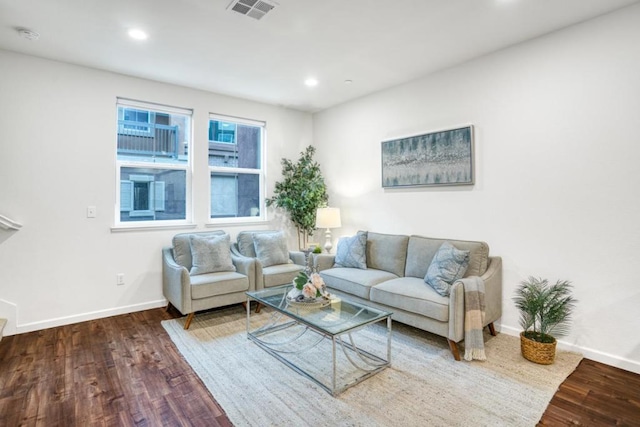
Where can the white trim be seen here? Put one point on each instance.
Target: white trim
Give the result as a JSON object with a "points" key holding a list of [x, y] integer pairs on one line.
{"points": [[589, 353], [153, 225], [92, 315], [9, 224], [152, 106], [240, 120], [230, 222]]}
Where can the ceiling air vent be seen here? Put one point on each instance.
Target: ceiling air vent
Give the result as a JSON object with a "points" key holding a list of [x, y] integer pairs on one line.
{"points": [[256, 9]]}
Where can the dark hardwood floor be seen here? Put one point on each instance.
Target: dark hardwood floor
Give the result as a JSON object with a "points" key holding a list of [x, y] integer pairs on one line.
{"points": [[125, 371]]}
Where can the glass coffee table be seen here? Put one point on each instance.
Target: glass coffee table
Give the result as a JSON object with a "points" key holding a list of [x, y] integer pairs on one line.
{"points": [[319, 340]]}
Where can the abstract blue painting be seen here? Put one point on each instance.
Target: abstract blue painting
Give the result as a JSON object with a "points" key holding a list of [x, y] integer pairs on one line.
{"points": [[437, 158]]}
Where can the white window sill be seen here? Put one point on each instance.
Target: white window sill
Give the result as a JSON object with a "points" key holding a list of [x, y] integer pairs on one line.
{"points": [[222, 222], [148, 227]]}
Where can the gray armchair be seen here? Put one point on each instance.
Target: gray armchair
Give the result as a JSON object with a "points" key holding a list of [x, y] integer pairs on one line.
{"points": [[266, 274], [189, 292]]}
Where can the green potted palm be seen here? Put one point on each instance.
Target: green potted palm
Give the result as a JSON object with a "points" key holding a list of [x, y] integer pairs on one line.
{"points": [[545, 312]]}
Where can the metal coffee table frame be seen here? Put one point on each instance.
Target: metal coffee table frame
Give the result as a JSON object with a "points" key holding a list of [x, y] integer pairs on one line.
{"points": [[356, 317]]}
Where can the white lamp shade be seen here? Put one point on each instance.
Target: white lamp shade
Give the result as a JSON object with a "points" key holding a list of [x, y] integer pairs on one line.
{"points": [[328, 218]]}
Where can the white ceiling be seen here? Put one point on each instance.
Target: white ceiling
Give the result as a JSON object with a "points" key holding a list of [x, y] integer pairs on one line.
{"points": [[200, 43]]}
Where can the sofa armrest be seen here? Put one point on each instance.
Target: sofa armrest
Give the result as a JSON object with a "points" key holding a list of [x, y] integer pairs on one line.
{"points": [[297, 257], [492, 299], [493, 290], [247, 266], [176, 282], [323, 261]]}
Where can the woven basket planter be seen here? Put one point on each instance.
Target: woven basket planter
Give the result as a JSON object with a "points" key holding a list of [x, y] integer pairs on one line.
{"points": [[538, 352]]}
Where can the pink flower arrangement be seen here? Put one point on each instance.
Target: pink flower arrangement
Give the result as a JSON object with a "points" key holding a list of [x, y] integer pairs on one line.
{"points": [[312, 286]]}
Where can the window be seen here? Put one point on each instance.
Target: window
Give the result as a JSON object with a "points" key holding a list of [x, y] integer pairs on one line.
{"points": [[235, 166], [153, 164]]}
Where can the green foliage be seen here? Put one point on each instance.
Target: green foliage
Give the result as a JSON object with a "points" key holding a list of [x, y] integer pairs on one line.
{"points": [[317, 250], [301, 279], [302, 191], [544, 309]]}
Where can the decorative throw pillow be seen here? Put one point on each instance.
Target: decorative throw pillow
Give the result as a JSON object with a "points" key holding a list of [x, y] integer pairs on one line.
{"points": [[448, 265], [352, 251], [271, 248], [210, 254]]}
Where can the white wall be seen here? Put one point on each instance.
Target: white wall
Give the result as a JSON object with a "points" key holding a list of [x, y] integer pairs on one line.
{"points": [[557, 180], [57, 156]]}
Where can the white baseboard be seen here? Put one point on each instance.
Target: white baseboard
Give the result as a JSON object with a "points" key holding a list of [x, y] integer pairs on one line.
{"points": [[589, 353], [68, 320]]}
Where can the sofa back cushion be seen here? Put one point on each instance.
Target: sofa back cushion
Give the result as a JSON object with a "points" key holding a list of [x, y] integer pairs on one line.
{"points": [[421, 251], [182, 246], [387, 252]]}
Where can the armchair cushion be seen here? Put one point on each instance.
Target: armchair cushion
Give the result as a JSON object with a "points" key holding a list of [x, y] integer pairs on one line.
{"points": [[182, 247], [210, 254], [271, 248], [448, 265]]}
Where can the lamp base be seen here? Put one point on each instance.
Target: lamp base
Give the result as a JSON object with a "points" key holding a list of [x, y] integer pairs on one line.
{"points": [[327, 243]]}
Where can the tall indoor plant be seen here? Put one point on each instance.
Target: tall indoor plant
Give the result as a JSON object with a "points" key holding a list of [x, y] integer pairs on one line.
{"points": [[545, 312], [301, 192]]}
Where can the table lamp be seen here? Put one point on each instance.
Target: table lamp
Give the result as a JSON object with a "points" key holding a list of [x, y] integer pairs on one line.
{"points": [[328, 218]]}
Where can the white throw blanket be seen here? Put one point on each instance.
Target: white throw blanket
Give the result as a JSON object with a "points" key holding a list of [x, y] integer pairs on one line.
{"points": [[473, 318]]}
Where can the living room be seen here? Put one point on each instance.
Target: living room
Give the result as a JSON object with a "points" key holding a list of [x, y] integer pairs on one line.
{"points": [[555, 168]]}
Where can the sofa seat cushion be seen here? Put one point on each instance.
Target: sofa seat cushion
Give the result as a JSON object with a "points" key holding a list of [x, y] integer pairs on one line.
{"points": [[355, 281], [413, 295], [221, 283], [282, 274]]}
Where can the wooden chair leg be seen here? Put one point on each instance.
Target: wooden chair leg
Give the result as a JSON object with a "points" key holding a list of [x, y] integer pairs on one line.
{"points": [[258, 307], [492, 329], [454, 349], [188, 322]]}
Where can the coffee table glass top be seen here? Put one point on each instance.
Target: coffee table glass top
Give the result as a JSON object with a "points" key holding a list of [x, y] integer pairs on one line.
{"points": [[336, 318]]}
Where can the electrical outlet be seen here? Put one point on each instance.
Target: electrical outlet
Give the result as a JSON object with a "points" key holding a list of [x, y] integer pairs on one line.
{"points": [[120, 279], [92, 212]]}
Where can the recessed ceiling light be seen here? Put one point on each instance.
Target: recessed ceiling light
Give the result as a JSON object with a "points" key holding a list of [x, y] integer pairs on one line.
{"points": [[311, 82], [138, 34], [348, 82]]}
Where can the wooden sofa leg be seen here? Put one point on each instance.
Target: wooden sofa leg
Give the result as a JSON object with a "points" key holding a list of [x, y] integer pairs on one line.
{"points": [[492, 329], [188, 322], [454, 349], [244, 305], [258, 307], [168, 307]]}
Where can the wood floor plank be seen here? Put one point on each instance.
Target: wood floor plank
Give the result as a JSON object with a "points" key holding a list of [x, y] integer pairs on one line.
{"points": [[125, 371]]}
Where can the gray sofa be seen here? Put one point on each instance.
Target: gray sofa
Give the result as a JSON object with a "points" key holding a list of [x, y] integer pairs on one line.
{"points": [[394, 281]]}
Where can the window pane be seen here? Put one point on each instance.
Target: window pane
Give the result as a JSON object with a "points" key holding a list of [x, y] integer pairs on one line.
{"points": [[164, 138], [234, 145], [235, 195], [152, 194]]}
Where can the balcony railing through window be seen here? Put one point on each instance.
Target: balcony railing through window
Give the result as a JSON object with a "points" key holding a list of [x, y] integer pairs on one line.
{"points": [[148, 139]]}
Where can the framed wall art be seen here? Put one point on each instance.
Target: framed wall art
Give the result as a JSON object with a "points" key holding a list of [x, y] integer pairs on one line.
{"points": [[437, 158]]}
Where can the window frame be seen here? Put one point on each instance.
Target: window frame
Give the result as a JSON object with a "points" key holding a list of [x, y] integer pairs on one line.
{"points": [[187, 167], [261, 172]]}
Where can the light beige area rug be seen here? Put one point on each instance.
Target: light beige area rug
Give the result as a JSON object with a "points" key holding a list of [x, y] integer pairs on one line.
{"points": [[423, 387]]}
